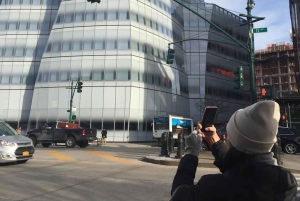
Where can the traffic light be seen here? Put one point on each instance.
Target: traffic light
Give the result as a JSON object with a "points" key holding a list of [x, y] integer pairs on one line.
{"points": [[238, 78], [73, 117], [266, 92], [170, 56], [94, 1], [79, 87]]}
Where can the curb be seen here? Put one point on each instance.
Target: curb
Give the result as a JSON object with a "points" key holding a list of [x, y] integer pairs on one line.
{"points": [[203, 165]]}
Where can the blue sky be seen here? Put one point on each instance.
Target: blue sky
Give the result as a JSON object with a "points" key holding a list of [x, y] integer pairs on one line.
{"points": [[277, 19]]}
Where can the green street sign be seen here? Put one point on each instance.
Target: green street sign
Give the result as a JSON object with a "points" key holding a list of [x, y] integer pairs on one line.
{"points": [[260, 30]]}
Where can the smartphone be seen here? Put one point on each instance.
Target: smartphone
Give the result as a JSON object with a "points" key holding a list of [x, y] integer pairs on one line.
{"points": [[209, 116]]}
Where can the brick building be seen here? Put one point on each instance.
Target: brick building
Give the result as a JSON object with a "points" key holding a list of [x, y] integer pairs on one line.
{"points": [[276, 66]]}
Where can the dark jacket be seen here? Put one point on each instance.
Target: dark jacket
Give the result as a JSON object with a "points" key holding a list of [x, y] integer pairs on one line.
{"points": [[253, 181], [104, 133]]}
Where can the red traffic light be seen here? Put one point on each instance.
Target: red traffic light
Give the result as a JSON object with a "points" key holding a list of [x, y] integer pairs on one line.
{"points": [[283, 117]]}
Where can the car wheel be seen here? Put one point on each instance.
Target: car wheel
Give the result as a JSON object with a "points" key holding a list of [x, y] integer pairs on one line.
{"points": [[291, 148], [33, 140], [70, 142], [21, 162], [46, 144], [204, 146]]}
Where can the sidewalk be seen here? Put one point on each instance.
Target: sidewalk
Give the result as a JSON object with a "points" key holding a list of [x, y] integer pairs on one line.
{"points": [[206, 159]]}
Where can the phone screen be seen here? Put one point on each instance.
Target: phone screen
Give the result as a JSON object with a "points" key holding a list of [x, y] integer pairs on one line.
{"points": [[209, 117]]}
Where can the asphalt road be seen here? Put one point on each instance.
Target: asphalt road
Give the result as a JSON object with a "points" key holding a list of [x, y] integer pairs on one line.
{"points": [[104, 173]]}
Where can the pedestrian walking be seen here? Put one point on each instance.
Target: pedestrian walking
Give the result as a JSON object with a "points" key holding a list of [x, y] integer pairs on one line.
{"points": [[248, 169], [104, 136]]}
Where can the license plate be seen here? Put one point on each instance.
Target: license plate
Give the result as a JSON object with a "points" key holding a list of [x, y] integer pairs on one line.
{"points": [[25, 153], [91, 138]]}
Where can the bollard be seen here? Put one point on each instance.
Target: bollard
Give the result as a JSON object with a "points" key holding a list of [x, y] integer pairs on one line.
{"points": [[164, 145], [279, 161], [170, 143], [180, 146], [223, 138]]}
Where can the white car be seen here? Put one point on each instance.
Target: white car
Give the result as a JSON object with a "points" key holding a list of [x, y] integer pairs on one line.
{"points": [[14, 147]]}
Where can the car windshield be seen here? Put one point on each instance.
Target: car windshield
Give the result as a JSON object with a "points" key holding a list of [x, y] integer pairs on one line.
{"points": [[6, 130]]}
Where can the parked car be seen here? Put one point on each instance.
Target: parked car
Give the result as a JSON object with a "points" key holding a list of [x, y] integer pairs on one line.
{"points": [[62, 132], [221, 130], [14, 147], [290, 139]]}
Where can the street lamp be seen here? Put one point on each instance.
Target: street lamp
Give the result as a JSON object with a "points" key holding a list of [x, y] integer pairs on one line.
{"points": [[251, 3]]}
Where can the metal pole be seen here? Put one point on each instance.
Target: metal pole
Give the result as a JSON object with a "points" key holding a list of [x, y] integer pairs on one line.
{"points": [[250, 5], [71, 102]]}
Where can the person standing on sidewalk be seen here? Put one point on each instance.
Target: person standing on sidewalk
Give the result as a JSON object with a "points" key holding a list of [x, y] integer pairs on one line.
{"points": [[249, 171], [104, 136]]}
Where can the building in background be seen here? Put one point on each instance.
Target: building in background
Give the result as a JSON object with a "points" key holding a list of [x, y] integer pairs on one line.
{"points": [[275, 66], [210, 58], [118, 50], [295, 36], [25, 27]]}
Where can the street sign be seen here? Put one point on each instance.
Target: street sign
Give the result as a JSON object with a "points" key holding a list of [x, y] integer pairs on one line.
{"points": [[260, 30]]}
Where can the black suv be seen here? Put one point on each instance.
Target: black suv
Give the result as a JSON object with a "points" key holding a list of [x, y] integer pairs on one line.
{"points": [[290, 139]]}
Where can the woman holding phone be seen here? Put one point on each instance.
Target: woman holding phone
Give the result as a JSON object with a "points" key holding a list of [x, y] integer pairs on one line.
{"points": [[248, 169]]}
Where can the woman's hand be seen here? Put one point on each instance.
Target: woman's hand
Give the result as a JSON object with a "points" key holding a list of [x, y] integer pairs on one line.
{"points": [[209, 131]]}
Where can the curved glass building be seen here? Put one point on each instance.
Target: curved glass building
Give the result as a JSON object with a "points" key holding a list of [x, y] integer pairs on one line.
{"points": [[118, 50]]}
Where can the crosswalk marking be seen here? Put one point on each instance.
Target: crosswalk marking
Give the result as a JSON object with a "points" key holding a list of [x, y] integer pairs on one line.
{"points": [[60, 156], [113, 158]]}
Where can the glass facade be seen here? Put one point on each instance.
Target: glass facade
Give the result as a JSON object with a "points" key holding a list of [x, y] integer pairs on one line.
{"points": [[118, 50]]}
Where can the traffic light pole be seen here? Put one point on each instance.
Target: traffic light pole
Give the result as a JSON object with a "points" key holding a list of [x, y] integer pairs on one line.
{"points": [[71, 100], [249, 49]]}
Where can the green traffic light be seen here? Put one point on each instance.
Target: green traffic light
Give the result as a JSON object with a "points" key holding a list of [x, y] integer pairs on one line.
{"points": [[170, 56], [79, 87], [238, 78]]}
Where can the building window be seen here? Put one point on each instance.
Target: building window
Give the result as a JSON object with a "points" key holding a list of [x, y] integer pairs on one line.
{"points": [[90, 17], [123, 45], [29, 52], [66, 46], [64, 76], [77, 45], [19, 52], [3, 26], [69, 18], [33, 26], [123, 15], [49, 47], [53, 76], [134, 17], [101, 15], [111, 45], [112, 15], [74, 75], [98, 75], [88, 45], [13, 26], [5, 79], [56, 47], [108, 125], [135, 76], [79, 17], [133, 126], [123, 75], [9, 51], [119, 125], [45, 77], [110, 75], [99, 45], [16, 79], [23, 26], [86, 75], [26, 2], [135, 46]]}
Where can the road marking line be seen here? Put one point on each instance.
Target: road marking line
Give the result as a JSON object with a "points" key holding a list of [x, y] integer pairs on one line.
{"points": [[60, 156], [113, 158]]}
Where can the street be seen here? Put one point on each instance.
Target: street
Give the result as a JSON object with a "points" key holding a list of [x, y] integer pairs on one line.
{"points": [[111, 172]]}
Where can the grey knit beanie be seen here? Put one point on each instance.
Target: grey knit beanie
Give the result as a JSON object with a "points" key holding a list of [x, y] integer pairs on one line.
{"points": [[253, 130]]}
